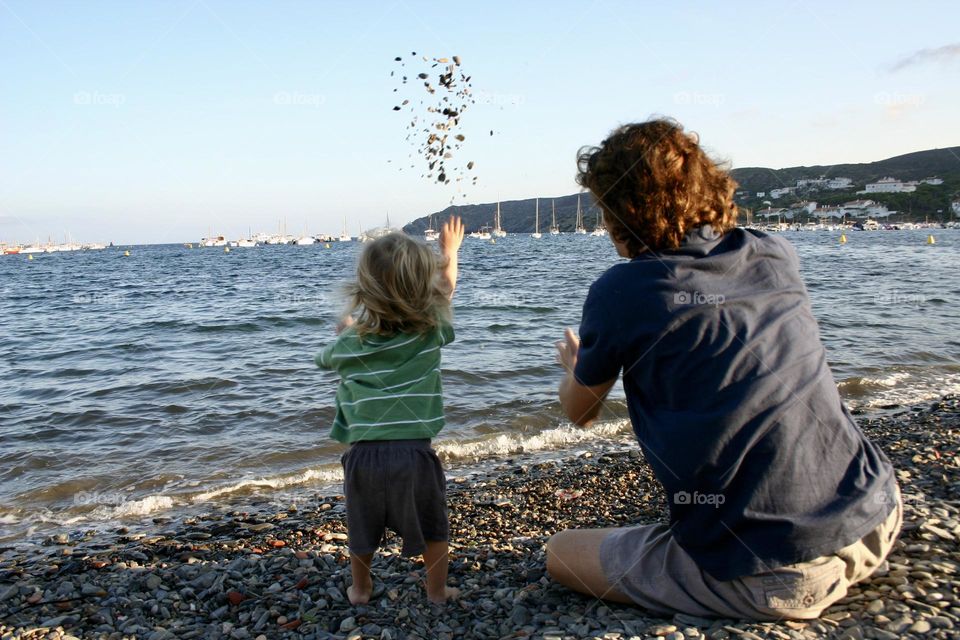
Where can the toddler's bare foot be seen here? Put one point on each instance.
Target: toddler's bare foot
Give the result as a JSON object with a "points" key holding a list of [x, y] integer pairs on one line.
{"points": [[449, 593], [359, 596]]}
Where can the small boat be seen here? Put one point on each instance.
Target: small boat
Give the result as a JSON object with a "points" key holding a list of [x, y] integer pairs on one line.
{"points": [[9, 251], [305, 240], [580, 230], [536, 222], [345, 237], [430, 234], [483, 233], [554, 229], [213, 241], [599, 230], [246, 242], [498, 232]]}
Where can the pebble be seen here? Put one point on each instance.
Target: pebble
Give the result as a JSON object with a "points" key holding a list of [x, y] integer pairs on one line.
{"points": [[875, 607], [920, 626], [661, 629]]}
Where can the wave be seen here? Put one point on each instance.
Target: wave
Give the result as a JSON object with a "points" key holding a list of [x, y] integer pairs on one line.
{"points": [[511, 444], [898, 388], [311, 476], [141, 507]]}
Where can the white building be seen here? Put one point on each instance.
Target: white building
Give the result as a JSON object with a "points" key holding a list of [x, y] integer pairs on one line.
{"points": [[774, 213], [889, 185], [761, 194], [866, 209], [955, 205], [806, 183], [839, 183], [777, 193], [934, 181], [831, 211]]}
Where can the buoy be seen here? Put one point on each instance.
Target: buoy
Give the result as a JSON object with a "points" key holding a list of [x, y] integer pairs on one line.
{"points": [[226, 249], [931, 239], [843, 238], [29, 256], [493, 241], [126, 253], [326, 245]]}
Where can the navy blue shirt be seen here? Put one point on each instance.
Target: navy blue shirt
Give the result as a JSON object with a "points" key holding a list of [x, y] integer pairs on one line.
{"points": [[733, 403]]}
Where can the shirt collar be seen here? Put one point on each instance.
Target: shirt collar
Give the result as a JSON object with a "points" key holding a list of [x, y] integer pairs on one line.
{"points": [[700, 235]]}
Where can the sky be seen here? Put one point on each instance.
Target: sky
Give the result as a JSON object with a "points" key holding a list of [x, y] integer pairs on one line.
{"points": [[150, 121]]}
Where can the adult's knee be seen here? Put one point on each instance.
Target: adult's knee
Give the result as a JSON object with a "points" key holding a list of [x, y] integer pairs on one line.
{"points": [[557, 547]]}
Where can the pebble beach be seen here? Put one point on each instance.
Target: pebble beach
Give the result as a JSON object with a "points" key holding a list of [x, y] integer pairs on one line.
{"points": [[259, 574]]}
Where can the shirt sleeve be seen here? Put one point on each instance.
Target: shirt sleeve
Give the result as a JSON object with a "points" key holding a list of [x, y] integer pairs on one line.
{"points": [[324, 358], [446, 334], [599, 358]]}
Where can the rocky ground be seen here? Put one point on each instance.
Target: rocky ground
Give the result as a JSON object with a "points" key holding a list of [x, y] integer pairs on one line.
{"points": [[283, 574]]}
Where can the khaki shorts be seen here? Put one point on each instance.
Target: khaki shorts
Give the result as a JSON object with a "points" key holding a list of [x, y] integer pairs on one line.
{"points": [[647, 565]]}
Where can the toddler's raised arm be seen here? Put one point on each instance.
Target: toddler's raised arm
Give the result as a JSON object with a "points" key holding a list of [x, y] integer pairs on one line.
{"points": [[451, 237]]}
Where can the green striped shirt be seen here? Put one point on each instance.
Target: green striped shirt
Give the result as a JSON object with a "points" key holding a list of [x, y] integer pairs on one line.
{"points": [[389, 386]]}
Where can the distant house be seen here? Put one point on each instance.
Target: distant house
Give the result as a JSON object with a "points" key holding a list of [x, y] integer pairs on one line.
{"points": [[778, 193], [808, 183], [774, 213], [830, 211], [889, 185], [839, 183], [866, 209], [934, 181], [807, 206], [761, 194], [955, 205]]}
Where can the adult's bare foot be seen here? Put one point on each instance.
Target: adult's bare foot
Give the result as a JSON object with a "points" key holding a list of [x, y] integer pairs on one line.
{"points": [[450, 593], [359, 596]]}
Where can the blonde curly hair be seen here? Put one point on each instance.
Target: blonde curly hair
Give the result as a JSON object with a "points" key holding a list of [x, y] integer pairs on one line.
{"points": [[397, 289]]}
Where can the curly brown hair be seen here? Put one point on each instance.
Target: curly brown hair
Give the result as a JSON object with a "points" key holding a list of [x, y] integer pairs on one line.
{"points": [[398, 288], [654, 184]]}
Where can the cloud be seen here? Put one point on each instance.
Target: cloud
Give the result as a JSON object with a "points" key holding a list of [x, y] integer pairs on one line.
{"points": [[945, 53]]}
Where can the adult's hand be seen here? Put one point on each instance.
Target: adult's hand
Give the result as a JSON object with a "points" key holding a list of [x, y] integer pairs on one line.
{"points": [[567, 349]]}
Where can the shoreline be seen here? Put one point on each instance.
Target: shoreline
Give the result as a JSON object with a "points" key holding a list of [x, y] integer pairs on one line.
{"points": [[282, 573]]}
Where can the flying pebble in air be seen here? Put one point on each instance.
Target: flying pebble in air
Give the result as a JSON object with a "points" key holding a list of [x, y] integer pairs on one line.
{"points": [[435, 120]]}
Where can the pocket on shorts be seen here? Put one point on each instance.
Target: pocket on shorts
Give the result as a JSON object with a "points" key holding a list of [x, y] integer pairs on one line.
{"points": [[803, 586]]}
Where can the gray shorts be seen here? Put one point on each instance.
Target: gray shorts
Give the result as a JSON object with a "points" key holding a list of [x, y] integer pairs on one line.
{"points": [[397, 484], [647, 565]]}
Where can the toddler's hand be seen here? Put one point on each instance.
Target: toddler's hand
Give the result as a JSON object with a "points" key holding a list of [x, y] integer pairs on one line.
{"points": [[343, 323], [567, 350], [451, 236]]}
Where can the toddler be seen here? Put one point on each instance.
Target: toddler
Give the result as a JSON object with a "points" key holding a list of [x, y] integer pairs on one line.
{"points": [[389, 402]]}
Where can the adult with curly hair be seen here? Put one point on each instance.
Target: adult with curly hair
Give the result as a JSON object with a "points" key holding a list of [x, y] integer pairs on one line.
{"points": [[778, 503]]}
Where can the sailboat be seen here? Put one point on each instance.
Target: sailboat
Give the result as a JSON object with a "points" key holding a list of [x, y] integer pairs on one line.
{"points": [[430, 234], [599, 230], [536, 223], [554, 229], [344, 237], [580, 228], [306, 238], [248, 241], [498, 232]]}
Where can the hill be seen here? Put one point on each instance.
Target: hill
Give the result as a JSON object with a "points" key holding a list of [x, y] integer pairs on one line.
{"points": [[517, 216], [928, 201], [910, 166]]}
